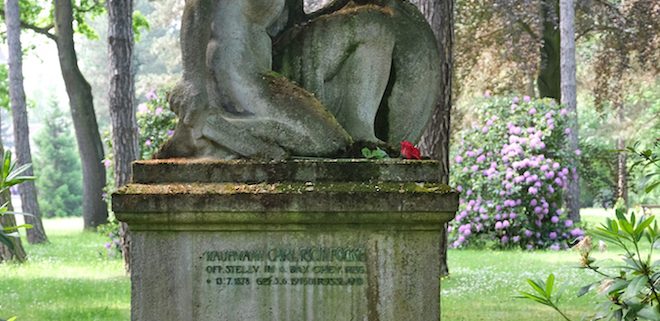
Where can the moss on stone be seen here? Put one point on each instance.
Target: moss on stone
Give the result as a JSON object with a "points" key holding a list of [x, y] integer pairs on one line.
{"points": [[282, 188]]}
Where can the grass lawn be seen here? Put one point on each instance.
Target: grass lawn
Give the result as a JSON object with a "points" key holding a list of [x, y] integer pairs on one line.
{"points": [[67, 279], [71, 279]]}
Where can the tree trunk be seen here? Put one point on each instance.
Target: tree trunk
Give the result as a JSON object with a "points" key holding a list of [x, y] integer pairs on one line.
{"points": [[90, 147], [622, 160], [18, 254], [27, 190], [121, 96], [435, 140], [569, 100], [549, 78]]}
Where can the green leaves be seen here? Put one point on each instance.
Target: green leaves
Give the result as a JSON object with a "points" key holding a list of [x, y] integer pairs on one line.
{"points": [[542, 289], [630, 295], [649, 313], [10, 175], [649, 162], [374, 154], [622, 231], [139, 23], [543, 293]]}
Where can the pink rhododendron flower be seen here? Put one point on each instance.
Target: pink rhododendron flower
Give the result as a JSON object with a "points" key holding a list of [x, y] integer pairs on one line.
{"points": [[142, 108]]}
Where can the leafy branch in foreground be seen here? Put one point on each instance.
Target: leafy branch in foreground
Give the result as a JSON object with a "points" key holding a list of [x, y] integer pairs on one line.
{"points": [[649, 161], [543, 294], [10, 175], [631, 293]]}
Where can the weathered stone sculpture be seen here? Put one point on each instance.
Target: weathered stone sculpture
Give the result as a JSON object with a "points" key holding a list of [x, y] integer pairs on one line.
{"points": [[264, 80]]}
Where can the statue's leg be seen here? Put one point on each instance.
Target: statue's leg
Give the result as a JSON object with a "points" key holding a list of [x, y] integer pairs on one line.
{"points": [[415, 86], [360, 59], [189, 99], [344, 58]]}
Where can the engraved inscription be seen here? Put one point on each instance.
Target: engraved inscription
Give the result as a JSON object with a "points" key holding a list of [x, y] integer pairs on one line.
{"points": [[306, 266]]}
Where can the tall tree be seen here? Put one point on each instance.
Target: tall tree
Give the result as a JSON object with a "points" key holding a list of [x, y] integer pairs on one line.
{"points": [[549, 78], [121, 100], [27, 190], [569, 100], [79, 91], [630, 48], [435, 140], [622, 158]]}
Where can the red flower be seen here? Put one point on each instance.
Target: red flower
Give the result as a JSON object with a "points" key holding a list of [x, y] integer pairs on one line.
{"points": [[409, 151]]}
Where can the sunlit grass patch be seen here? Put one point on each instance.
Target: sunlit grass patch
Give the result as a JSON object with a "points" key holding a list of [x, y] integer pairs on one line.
{"points": [[70, 278]]}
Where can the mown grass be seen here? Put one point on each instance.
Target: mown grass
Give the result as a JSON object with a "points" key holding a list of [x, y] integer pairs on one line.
{"points": [[483, 284], [69, 278], [72, 279]]}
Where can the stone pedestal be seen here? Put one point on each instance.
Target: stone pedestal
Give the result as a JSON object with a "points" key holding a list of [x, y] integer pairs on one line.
{"points": [[316, 240]]}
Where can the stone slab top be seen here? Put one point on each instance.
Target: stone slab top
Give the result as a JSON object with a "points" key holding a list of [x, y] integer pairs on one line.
{"points": [[211, 194], [285, 197], [161, 171]]}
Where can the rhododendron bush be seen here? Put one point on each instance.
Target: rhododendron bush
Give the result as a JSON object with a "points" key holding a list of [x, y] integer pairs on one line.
{"points": [[509, 168], [156, 122]]}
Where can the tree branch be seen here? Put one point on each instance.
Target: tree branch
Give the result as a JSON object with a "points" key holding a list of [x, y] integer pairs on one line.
{"points": [[40, 30]]}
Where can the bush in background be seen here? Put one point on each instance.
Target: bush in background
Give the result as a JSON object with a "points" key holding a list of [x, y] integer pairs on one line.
{"points": [[156, 122], [509, 169], [57, 167]]}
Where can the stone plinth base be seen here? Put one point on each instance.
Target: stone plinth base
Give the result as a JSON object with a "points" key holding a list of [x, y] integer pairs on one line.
{"points": [[326, 240]]}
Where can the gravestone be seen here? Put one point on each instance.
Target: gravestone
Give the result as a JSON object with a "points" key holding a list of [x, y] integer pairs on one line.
{"points": [[317, 240], [241, 217]]}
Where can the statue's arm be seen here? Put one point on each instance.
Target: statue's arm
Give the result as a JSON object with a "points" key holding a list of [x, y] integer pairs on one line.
{"points": [[195, 35]]}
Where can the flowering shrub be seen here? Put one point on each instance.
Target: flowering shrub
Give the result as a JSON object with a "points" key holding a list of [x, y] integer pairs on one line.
{"points": [[156, 122], [112, 248], [508, 168]]}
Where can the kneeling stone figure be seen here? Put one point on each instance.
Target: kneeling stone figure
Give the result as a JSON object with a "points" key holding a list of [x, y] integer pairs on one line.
{"points": [[262, 79]]}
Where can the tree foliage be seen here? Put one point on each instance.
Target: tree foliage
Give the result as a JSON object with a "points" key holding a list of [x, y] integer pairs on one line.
{"points": [[39, 16], [505, 37], [58, 167]]}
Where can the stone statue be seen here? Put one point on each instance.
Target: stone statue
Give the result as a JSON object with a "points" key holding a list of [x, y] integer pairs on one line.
{"points": [[262, 79]]}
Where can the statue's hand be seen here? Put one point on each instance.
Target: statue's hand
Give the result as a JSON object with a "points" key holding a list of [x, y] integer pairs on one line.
{"points": [[187, 102]]}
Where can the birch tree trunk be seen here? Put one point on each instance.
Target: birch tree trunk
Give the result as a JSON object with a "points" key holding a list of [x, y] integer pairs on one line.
{"points": [[121, 97], [27, 190], [569, 100], [90, 147], [435, 140], [622, 159]]}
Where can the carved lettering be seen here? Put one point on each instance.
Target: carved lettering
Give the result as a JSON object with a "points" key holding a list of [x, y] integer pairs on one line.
{"points": [[306, 266]]}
